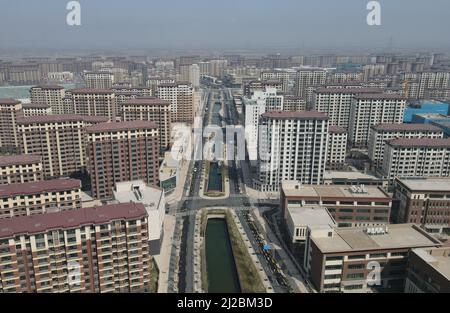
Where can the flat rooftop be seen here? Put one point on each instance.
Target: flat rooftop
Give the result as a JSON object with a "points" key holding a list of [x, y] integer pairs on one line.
{"points": [[348, 175], [311, 216], [426, 183], [149, 196], [399, 236], [438, 258], [294, 189]]}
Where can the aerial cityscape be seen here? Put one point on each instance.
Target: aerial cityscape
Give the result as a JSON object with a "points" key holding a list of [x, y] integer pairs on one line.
{"points": [[228, 155]]}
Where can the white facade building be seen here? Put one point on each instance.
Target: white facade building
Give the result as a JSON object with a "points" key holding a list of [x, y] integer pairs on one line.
{"points": [[259, 103], [381, 133], [336, 102], [337, 147], [293, 146], [371, 109], [416, 157]]}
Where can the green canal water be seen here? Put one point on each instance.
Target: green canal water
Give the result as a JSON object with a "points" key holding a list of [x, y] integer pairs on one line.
{"points": [[220, 266]]}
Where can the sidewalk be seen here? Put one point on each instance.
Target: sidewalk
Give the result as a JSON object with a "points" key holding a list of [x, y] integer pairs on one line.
{"points": [[292, 271], [163, 258]]}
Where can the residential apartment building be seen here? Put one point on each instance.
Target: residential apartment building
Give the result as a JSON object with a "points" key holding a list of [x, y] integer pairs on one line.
{"points": [[99, 80], [97, 249], [94, 102], [51, 95], [424, 201], [38, 197], [261, 85], [433, 80], [363, 259], [150, 109], [259, 102], [181, 98], [428, 271], [381, 133], [349, 205], [371, 109], [122, 151], [292, 146], [10, 110], [414, 157], [336, 148], [35, 109], [58, 139], [20, 168], [336, 102], [293, 103], [306, 78]]}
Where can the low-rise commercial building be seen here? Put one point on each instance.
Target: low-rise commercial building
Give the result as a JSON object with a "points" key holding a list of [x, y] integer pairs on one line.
{"points": [[349, 205], [362, 259], [428, 271], [424, 201]]}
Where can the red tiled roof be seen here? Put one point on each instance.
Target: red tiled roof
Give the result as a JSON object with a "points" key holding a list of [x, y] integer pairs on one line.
{"points": [[147, 101], [56, 118], [121, 126], [9, 101], [376, 96], [35, 106], [175, 84], [41, 186], [348, 90], [91, 91], [420, 142], [55, 87], [336, 129], [406, 127], [39, 223], [295, 115], [17, 159]]}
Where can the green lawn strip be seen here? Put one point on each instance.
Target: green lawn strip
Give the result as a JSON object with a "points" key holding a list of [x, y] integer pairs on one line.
{"points": [[249, 278], [154, 276]]}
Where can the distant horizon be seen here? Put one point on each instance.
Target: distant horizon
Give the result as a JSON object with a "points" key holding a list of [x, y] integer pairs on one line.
{"points": [[223, 26]]}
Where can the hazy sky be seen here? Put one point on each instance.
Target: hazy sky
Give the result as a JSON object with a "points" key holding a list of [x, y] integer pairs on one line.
{"points": [[225, 24]]}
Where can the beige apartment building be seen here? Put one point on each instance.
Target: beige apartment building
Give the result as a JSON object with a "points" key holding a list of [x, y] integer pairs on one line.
{"points": [[181, 98], [94, 102], [20, 168], [153, 110], [39, 197], [10, 110], [58, 139], [51, 95], [97, 249]]}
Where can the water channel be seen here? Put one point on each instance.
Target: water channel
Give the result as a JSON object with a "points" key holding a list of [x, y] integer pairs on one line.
{"points": [[220, 265]]}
